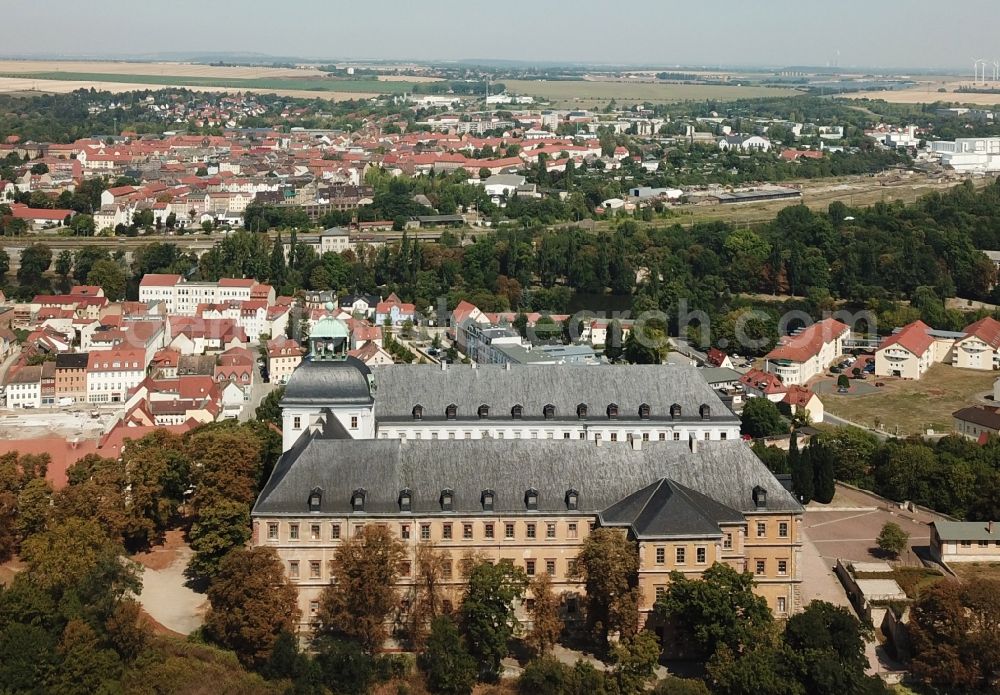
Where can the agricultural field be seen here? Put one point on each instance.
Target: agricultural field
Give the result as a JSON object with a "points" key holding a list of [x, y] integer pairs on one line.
{"points": [[928, 91], [589, 93]]}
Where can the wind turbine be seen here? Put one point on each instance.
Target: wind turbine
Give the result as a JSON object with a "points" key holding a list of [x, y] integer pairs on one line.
{"points": [[996, 70], [975, 69]]}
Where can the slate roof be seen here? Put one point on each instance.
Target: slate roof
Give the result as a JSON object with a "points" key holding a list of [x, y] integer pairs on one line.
{"points": [[984, 416], [328, 382], [724, 471], [72, 360], [666, 509], [401, 387]]}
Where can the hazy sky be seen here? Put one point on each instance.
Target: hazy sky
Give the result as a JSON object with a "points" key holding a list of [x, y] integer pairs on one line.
{"points": [[904, 33]]}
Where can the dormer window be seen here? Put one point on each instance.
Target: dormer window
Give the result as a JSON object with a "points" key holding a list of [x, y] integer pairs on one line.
{"points": [[612, 411], [358, 499], [572, 499], [675, 411], [581, 411], [447, 498], [531, 499], [705, 411], [315, 499], [484, 411], [487, 500], [759, 497], [516, 412], [549, 411], [451, 412], [418, 412], [405, 500], [644, 411]]}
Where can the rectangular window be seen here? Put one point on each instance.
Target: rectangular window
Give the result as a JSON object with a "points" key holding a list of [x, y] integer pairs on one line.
{"points": [[761, 529], [272, 531], [313, 607], [661, 591], [661, 556], [571, 530], [467, 531], [645, 436], [335, 532], [550, 567], [782, 567], [707, 436], [550, 530], [614, 436], [529, 567], [488, 528], [293, 532], [679, 554], [727, 541], [984, 544], [404, 531], [966, 544], [446, 569], [701, 556], [565, 435], [425, 532], [405, 568], [722, 436], [314, 532], [446, 532], [677, 436], [531, 531], [314, 569], [293, 569], [508, 530], [783, 529], [760, 567], [781, 604], [297, 423], [354, 422]]}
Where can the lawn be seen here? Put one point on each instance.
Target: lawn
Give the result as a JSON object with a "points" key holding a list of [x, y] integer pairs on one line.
{"points": [[910, 407], [974, 571], [259, 84], [586, 93]]}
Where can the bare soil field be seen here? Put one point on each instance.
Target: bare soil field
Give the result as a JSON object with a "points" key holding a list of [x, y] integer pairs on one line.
{"points": [[589, 92], [927, 91], [24, 86], [167, 69]]}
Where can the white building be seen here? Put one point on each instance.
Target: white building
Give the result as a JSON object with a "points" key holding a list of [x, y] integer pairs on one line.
{"points": [[970, 155], [111, 374], [799, 358], [182, 297], [980, 348], [24, 389]]}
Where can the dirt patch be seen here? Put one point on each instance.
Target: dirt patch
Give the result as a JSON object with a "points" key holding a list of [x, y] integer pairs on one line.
{"points": [[9, 569], [155, 627], [162, 556], [976, 571]]}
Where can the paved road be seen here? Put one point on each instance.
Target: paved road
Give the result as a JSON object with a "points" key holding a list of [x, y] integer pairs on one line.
{"points": [[257, 393], [830, 418], [166, 597]]}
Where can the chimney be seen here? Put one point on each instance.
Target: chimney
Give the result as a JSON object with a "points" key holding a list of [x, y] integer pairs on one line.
{"points": [[989, 527], [444, 365], [636, 442], [693, 440]]}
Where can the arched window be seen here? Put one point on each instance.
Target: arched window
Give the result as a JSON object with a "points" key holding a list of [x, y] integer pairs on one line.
{"points": [[451, 412], [315, 499], [405, 500], [484, 411], [549, 411], [447, 499], [516, 412], [487, 499], [531, 498], [418, 412], [581, 411], [358, 499], [644, 411], [572, 499], [705, 411], [613, 411]]}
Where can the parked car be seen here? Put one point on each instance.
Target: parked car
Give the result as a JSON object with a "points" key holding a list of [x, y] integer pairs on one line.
{"points": [[836, 370]]}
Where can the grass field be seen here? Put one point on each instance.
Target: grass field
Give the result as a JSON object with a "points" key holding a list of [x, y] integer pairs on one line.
{"points": [[589, 93], [911, 407], [973, 571]]}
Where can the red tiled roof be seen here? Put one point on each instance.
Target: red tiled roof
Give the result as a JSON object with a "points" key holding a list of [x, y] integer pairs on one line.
{"points": [[808, 343], [987, 330], [914, 337]]}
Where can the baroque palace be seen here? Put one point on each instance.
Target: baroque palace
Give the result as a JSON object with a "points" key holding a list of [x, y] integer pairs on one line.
{"points": [[521, 463]]}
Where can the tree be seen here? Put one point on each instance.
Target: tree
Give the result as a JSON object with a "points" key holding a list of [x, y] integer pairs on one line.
{"points": [[820, 458], [634, 663], [843, 382], [84, 665], [761, 418], [426, 602], [4, 264], [446, 662], [35, 260], [672, 685], [718, 609], [357, 606], [765, 669], [279, 270], [803, 476], [608, 565], [956, 635], [64, 266], [487, 613], [269, 409], [110, 276], [252, 603], [220, 527], [546, 625], [344, 665], [892, 539]]}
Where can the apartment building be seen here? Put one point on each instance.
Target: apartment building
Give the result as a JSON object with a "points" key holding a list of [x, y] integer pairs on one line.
{"points": [[71, 376], [111, 374], [979, 348], [183, 298], [799, 358]]}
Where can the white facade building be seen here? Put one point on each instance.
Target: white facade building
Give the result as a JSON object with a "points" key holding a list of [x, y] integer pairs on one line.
{"points": [[111, 374]]}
